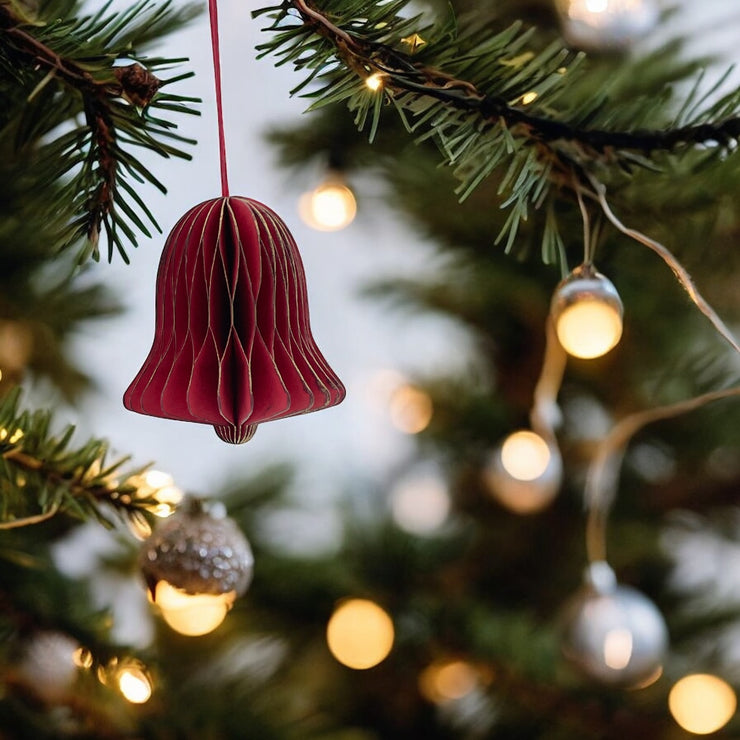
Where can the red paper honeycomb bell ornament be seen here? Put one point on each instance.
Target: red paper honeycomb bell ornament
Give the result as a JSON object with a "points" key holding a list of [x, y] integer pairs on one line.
{"points": [[232, 344]]}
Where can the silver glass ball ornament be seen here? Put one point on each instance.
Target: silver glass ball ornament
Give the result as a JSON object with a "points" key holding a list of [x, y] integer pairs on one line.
{"points": [[197, 553], [613, 634], [606, 25]]}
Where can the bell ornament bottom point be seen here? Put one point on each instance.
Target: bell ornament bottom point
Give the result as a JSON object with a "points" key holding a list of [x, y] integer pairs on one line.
{"points": [[236, 435]]}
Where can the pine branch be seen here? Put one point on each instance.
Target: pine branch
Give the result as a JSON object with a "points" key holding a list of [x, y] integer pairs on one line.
{"points": [[69, 67], [42, 475], [404, 74], [490, 101]]}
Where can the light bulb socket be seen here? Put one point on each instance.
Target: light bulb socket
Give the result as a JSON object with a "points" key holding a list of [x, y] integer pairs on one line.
{"points": [[585, 283]]}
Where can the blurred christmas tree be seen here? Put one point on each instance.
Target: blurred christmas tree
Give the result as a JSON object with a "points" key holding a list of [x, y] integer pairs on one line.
{"points": [[448, 609]]}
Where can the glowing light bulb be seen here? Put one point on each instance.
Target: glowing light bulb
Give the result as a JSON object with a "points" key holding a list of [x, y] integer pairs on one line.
{"points": [[587, 312], [446, 681], [192, 614], [159, 486], [618, 648], [360, 634], [524, 473], [16, 436], [374, 81], [597, 6], [83, 658], [329, 207], [134, 683], [411, 409], [702, 703], [525, 455], [607, 24], [165, 492], [589, 329]]}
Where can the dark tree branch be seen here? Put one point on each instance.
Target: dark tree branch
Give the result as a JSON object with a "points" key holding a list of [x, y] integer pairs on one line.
{"points": [[404, 74]]}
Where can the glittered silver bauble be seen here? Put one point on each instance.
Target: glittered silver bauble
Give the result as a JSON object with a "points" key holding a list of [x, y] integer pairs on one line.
{"points": [[587, 313], [532, 482], [611, 633], [606, 25], [197, 553]]}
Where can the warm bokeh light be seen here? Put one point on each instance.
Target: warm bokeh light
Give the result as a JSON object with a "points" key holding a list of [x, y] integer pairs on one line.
{"points": [[529, 97], [589, 328], [618, 648], [192, 614], [134, 683], [420, 505], [163, 498], [525, 455], [597, 6], [607, 24], [374, 81], [164, 491], [448, 681], [583, 9], [411, 409], [16, 436], [701, 703], [82, 658], [524, 473], [360, 634], [329, 207]]}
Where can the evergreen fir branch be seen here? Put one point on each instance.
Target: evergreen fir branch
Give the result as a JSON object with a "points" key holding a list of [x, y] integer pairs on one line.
{"points": [[361, 49], [42, 475], [74, 72], [488, 101]]}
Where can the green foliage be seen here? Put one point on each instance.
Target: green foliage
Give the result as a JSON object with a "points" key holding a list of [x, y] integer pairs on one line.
{"points": [[500, 101], [79, 99], [42, 475]]}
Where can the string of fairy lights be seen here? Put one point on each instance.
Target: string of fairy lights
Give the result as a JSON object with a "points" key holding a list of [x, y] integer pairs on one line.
{"points": [[196, 562]]}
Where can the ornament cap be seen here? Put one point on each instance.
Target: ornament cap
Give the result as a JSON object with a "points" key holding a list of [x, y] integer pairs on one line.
{"points": [[600, 578], [585, 283]]}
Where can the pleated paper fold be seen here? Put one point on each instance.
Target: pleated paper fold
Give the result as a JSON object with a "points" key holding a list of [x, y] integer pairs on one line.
{"points": [[232, 344]]}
